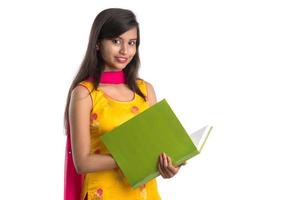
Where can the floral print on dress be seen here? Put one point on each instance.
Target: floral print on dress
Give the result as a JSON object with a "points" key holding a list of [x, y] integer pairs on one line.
{"points": [[98, 195], [135, 109], [93, 117], [97, 151], [93, 120]]}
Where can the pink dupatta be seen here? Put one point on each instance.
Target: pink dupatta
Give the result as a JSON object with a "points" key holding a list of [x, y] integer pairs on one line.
{"points": [[73, 180]]}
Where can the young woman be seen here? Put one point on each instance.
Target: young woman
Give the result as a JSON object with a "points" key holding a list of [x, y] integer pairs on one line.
{"points": [[105, 93]]}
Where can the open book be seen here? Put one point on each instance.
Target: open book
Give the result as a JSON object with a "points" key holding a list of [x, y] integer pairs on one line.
{"points": [[137, 143]]}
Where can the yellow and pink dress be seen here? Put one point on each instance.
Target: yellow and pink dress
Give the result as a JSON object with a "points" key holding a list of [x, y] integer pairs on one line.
{"points": [[106, 114]]}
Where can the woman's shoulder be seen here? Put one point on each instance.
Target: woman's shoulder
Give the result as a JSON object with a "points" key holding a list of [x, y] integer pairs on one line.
{"points": [[140, 81], [148, 90], [82, 89], [143, 82], [87, 84]]}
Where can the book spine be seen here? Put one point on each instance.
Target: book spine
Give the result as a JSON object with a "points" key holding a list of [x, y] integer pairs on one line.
{"points": [[145, 180], [187, 157]]}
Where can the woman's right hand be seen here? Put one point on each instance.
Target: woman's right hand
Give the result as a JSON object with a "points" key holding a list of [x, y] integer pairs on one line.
{"points": [[166, 168]]}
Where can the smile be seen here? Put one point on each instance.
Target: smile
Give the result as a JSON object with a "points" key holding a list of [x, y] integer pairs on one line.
{"points": [[121, 59]]}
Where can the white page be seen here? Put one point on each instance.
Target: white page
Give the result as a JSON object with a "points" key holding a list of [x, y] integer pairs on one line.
{"points": [[199, 136]]}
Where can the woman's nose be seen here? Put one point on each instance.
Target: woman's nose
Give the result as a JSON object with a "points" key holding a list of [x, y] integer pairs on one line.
{"points": [[124, 49]]}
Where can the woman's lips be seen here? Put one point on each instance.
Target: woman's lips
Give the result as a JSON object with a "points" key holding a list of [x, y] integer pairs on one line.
{"points": [[121, 59]]}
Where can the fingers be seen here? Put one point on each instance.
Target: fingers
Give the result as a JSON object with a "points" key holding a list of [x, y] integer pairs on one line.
{"points": [[163, 171], [160, 166], [163, 167], [171, 167], [166, 168]]}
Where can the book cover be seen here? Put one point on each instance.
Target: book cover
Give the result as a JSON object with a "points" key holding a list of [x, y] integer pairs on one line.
{"points": [[137, 143]]}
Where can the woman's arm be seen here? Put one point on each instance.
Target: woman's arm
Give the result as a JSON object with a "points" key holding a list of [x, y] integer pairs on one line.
{"points": [[79, 119]]}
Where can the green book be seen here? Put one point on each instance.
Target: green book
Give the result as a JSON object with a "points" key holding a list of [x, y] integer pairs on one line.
{"points": [[137, 143]]}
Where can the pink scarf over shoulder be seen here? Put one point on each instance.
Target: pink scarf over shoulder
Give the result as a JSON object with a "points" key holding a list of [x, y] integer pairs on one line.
{"points": [[73, 181]]}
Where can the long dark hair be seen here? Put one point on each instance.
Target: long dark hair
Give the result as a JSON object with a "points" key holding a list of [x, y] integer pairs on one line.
{"points": [[109, 23]]}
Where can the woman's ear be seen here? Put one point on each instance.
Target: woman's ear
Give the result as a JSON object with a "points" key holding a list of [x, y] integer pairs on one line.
{"points": [[97, 46]]}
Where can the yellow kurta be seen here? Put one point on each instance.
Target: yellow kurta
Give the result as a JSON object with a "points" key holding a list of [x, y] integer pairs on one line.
{"points": [[106, 114]]}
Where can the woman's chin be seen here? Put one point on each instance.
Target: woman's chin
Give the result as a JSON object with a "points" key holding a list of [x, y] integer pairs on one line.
{"points": [[116, 68]]}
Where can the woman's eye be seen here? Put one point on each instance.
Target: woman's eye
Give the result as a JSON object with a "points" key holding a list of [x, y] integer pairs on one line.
{"points": [[132, 43], [116, 41]]}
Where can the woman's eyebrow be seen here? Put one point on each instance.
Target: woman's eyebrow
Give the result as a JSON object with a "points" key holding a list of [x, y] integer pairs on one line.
{"points": [[129, 39]]}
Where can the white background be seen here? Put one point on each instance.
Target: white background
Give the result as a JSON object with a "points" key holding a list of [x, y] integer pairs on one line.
{"points": [[237, 65]]}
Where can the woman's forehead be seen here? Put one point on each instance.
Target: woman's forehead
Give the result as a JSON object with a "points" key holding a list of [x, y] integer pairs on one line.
{"points": [[130, 34]]}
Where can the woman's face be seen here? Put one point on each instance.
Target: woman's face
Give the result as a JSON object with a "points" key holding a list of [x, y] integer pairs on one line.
{"points": [[118, 52]]}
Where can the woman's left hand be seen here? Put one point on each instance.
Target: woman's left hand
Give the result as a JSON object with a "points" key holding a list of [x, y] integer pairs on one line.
{"points": [[166, 168]]}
